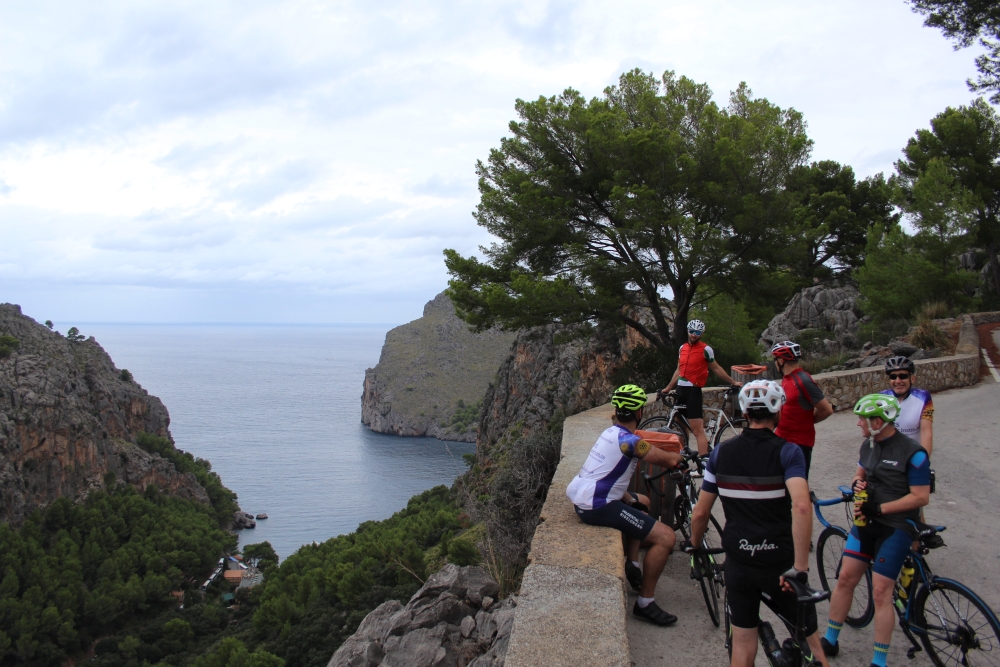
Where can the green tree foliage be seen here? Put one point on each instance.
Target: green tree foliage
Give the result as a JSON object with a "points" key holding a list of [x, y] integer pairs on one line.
{"points": [[7, 345], [949, 183], [260, 556], [233, 653], [223, 500], [832, 218], [727, 330], [73, 573], [606, 205], [74, 335], [966, 22]]}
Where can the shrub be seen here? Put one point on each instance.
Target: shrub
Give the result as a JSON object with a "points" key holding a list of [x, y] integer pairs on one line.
{"points": [[929, 336], [49, 324], [125, 375], [7, 346], [463, 552], [934, 310], [74, 335]]}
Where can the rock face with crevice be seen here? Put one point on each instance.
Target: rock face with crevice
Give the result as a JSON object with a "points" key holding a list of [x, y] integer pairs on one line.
{"points": [[831, 309], [452, 621], [68, 418], [431, 376]]}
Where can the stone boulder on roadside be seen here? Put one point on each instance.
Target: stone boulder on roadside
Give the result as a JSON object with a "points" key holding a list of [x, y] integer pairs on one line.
{"points": [[451, 621]]}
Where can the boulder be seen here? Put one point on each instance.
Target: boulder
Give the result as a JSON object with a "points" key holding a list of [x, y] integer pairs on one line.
{"points": [[832, 309], [902, 348]]}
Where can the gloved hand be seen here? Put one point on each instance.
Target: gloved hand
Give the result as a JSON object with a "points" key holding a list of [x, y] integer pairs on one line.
{"points": [[642, 507], [871, 509], [687, 547], [801, 576]]}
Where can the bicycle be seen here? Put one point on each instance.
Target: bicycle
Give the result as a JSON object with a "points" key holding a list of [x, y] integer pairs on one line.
{"points": [[705, 568], [717, 429], [960, 621], [830, 556], [789, 653]]}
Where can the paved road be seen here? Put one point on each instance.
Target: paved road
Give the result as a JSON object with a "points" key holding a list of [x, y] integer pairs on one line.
{"points": [[967, 461]]}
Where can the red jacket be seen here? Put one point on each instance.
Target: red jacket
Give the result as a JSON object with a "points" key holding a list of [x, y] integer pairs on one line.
{"points": [[693, 364], [801, 396]]}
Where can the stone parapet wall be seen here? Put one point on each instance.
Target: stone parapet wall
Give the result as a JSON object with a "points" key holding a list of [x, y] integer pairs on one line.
{"points": [[986, 318]]}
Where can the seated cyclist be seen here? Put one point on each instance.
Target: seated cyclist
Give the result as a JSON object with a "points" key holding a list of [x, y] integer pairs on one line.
{"points": [[761, 479], [895, 472], [916, 409], [695, 360], [601, 499]]}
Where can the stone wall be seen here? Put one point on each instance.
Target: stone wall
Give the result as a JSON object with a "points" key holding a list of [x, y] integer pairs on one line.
{"points": [[986, 318]]}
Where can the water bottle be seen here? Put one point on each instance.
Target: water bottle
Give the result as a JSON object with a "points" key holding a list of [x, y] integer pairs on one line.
{"points": [[791, 652], [905, 577], [770, 643], [859, 498]]}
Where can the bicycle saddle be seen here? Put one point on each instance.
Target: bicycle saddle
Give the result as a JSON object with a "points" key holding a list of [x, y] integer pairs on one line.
{"points": [[928, 534]]}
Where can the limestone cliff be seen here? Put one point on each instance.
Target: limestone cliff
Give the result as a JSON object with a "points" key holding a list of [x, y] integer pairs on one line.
{"points": [[68, 417], [431, 376]]}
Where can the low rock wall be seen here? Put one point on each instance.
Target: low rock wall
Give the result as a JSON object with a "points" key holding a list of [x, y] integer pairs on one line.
{"points": [[985, 318]]}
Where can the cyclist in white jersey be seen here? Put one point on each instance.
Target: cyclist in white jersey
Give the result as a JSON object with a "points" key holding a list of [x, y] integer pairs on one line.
{"points": [[916, 416], [600, 496]]}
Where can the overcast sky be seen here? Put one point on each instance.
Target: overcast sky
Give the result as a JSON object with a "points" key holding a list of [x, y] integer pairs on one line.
{"points": [[308, 161]]}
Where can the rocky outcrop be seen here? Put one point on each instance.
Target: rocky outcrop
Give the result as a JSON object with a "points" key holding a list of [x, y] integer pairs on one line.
{"points": [[452, 621], [831, 309], [431, 376], [68, 418]]}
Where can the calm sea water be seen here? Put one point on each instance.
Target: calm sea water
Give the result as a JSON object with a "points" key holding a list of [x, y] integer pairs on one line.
{"points": [[277, 410]]}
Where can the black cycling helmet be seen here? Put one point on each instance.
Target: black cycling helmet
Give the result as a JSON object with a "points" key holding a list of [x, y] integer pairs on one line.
{"points": [[893, 364]]}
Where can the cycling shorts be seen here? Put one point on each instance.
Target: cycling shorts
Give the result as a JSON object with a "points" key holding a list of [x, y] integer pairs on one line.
{"points": [[883, 546], [617, 514], [747, 587], [691, 398]]}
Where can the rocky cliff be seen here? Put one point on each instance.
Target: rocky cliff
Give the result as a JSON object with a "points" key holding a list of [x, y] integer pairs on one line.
{"points": [[431, 376], [68, 417]]}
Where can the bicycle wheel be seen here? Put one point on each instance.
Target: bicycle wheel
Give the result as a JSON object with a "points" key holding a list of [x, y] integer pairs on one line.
{"points": [[829, 555], [682, 516], [709, 590], [729, 626], [958, 627], [659, 421], [728, 430]]}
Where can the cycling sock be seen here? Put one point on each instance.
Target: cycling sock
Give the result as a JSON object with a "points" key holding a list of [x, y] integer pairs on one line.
{"points": [[644, 602], [833, 631], [636, 563], [881, 653]]}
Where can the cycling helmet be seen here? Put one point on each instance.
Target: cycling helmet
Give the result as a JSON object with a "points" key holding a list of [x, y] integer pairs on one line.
{"points": [[762, 394], [883, 406], [893, 364], [628, 397], [787, 350], [696, 327]]}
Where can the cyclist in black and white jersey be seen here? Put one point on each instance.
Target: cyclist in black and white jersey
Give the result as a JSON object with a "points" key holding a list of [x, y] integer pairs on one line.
{"points": [[761, 479]]}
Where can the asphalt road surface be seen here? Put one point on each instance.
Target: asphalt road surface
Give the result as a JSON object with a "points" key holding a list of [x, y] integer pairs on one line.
{"points": [[966, 458]]}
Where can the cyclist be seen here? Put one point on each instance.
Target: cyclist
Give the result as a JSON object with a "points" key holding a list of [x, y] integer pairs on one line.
{"points": [[761, 479], [695, 360], [805, 405], [894, 470], [601, 499], [916, 409]]}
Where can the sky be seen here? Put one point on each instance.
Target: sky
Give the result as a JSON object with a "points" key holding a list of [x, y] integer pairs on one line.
{"points": [[307, 162]]}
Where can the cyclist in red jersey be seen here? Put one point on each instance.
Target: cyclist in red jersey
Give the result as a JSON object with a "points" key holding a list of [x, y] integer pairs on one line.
{"points": [[693, 363], [805, 404]]}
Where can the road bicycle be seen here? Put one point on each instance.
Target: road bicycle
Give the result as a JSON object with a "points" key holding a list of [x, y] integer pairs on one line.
{"points": [[706, 568], [789, 653], [718, 426], [830, 554], [954, 625]]}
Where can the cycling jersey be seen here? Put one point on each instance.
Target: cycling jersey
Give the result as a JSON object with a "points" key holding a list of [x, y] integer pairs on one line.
{"points": [[693, 364], [915, 406], [749, 473], [606, 472], [801, 396], [892, 466]]}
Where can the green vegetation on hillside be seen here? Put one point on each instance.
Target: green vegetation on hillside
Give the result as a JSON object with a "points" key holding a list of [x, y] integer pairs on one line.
{"points": [[75, 573], [7, 345]]}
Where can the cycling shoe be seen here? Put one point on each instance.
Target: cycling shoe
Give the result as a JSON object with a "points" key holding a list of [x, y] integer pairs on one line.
{"points": [[654, 614], [829, 649]]}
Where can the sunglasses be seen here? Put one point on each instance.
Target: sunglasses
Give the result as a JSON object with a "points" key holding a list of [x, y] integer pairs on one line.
{"points": [[899, 376], [694, 333]]}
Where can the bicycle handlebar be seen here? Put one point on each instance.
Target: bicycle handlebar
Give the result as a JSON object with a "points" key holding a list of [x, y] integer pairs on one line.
{"points": [[806, 594]]}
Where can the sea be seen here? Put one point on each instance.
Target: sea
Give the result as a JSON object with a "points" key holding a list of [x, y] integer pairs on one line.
{"points": [[277, 412]]}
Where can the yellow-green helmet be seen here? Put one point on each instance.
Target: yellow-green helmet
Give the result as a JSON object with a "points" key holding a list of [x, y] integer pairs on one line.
{"points": [[883, 406], [629, 397]]}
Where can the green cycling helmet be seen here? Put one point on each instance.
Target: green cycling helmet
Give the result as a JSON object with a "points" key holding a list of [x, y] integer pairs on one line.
{"points": [[629, 397], [883, 406]]}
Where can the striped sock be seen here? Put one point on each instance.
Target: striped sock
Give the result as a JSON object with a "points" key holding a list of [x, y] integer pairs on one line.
{"points": [[880, 655], [833, 631]]}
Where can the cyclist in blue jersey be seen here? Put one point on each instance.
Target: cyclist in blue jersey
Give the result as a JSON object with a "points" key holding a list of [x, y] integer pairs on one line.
{"points": [[916, 408], [894, 470], [761, 479], [601, 498]]}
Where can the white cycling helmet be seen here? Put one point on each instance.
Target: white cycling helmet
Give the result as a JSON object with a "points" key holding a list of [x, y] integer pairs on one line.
{"points": [[696, 327], [762, 394]]}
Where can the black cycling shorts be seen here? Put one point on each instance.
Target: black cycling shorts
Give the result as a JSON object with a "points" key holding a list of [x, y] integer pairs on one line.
{"points": [[746, 587], [617, 514], [691, 398]]}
